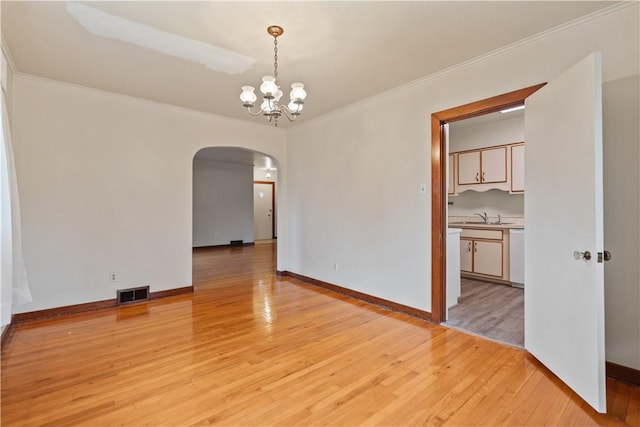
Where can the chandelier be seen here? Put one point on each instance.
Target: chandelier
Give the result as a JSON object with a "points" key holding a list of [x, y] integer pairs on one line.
{"points": [[271, 93]]}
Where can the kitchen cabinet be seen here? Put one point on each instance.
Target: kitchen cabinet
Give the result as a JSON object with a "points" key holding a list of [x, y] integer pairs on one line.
{"points": [[469, 168], [481, 257], [517, 168], [484, 253], [484, 166], [493, 165], [466, 255], [487, 258]]}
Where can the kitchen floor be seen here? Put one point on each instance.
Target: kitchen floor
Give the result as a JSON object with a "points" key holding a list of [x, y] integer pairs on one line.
{"points": [[491, 310]]}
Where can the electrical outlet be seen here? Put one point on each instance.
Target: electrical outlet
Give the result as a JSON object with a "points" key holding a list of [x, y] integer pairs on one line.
{"points": [[335, 266], [113, 277]]}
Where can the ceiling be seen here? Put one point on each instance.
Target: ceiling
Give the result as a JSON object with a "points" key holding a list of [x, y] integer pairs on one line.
{"points": [[487, 118], [343, 51]]}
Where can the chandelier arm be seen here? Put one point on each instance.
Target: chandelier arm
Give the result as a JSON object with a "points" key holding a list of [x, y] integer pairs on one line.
{"points": [[288, 113], [254, 114]]}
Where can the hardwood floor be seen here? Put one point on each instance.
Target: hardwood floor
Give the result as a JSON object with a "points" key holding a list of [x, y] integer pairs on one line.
{"points": [[248, 348], [490, 310]]}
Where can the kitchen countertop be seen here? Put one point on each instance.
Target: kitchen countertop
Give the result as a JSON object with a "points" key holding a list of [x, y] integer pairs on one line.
{"points": [[483, 225]]}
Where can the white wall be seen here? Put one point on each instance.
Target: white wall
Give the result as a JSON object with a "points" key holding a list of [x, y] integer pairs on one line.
{"points": [[468, 137], [621, 139], [222, 202], [105, 184], [354, 174], [493, 202], [260, 174]]}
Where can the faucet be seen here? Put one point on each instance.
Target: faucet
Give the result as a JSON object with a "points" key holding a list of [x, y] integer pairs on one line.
{"points": [[484, 216]]}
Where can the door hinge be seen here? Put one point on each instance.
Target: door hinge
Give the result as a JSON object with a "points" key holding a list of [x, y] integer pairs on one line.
{"points": [[604, 256]]}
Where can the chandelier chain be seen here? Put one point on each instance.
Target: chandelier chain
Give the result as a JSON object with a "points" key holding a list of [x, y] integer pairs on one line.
{"points": [[275, 60]]}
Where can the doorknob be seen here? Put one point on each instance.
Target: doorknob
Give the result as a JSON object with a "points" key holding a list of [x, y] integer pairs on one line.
{"points": [[582, 255]]}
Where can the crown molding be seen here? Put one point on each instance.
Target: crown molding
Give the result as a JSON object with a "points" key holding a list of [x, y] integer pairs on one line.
{"points": [[7, 55], [523, 42], [103, 92]]}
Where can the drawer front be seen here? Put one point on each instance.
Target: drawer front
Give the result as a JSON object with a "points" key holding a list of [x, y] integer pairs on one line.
{"points": [[474, 233]]}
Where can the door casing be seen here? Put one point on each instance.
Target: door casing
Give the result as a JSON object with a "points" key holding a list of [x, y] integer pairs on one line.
{"points": [[439, 184]]}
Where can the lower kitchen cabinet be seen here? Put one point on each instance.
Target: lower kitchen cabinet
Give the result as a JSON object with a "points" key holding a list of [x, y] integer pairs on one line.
{"points": [[466, 255], [484, 253], [487, 258]]}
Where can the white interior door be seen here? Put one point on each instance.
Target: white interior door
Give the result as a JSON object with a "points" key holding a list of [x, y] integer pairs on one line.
{"points": [[564, 297], [262, 211]]}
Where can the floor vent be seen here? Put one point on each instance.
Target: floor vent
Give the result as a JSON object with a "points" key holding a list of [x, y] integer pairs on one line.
{"points": [[237, 242], [127, 296]]}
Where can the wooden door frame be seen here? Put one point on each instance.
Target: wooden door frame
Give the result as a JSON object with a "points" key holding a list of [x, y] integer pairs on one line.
{"points": [[273, 205], [439, 185]]}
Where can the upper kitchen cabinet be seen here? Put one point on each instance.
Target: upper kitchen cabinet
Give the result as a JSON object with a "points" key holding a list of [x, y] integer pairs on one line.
{"points": [[482, 169], [469, 168], [482, 166], [494, 165], [517, 168], [482, 146]]}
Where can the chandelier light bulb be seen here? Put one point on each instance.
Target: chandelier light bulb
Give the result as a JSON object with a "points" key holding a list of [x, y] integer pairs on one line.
{"points": [[268, 86], [248, 96], [297, 92], [266, 106]]}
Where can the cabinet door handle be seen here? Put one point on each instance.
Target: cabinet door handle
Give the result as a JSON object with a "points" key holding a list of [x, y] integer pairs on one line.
{"points": [[475, 246], [483, 178], [477, 176], [469, 248]]}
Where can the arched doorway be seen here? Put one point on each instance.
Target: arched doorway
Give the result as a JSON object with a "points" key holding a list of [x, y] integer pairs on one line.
{"points": [[223, 194]]}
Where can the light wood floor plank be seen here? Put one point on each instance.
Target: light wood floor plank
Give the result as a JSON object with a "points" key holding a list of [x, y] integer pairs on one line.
{"points": [[249, 348]]}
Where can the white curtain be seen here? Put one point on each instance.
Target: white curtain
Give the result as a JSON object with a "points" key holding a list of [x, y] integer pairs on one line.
{"points": [[14, 288]]}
